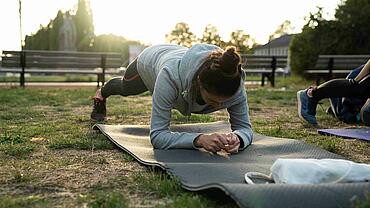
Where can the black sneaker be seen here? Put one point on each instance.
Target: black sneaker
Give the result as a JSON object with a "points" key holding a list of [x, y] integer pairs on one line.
{"points": [[99, 112]]}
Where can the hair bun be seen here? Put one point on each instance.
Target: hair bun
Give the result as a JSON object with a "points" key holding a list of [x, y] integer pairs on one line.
{"points": [[231, 49], [229, 62]]}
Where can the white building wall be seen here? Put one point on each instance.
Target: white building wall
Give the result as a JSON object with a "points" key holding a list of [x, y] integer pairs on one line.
{"points": [[279, 51]]}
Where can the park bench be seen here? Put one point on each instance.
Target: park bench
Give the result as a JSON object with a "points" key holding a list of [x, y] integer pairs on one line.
{"points": [[266, 66], [333, 66], [60, 62]]}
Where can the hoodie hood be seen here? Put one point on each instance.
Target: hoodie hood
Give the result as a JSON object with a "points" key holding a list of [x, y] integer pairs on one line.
{"points": [[180, 63], [190, 64]]}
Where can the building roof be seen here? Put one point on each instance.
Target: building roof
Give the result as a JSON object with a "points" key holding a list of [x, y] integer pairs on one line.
{"points": [[282, 41]]}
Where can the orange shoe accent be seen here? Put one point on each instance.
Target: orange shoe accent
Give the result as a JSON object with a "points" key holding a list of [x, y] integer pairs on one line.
{"points": [[131, 78]]}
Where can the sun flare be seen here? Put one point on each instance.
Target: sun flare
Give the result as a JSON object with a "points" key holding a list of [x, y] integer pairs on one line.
{"points": [[149, 21]]}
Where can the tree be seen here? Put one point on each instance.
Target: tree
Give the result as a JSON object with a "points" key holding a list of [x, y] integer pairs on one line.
{"points": [[84, 26], [113, 43], [348, 33], [211, 36], [317, 37], [54, 27], [285, 28], [242, 41], [47, 38], [353, 19], [37, 41], [181, 35]]}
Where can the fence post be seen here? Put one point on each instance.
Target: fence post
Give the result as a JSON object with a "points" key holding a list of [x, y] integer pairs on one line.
{"points": [[23, 65], [273, 67], [330, 67], [103, 65]]}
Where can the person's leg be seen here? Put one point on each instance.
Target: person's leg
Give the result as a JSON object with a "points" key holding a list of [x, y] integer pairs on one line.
{"points": [[129, 84], [356, 87], [365, 110], [365, 113], [364, 72], [308, 99]]}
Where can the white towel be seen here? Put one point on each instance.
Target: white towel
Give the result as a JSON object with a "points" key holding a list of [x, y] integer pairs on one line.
{"points": [[314, 171]]}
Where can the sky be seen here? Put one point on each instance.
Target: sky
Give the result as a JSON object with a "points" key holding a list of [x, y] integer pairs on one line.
{"points": [[149, 21]]}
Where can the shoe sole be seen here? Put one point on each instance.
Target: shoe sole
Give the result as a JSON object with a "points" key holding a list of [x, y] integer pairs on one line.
{"points": [[300, 106], [98, 118], [299, 112]]}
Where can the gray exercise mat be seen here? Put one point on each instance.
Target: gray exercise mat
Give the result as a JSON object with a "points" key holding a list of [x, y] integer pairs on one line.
{"points": [[198, 170]]}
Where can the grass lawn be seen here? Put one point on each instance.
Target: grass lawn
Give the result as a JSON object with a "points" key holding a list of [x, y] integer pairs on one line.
{"points": [[50, 156]]}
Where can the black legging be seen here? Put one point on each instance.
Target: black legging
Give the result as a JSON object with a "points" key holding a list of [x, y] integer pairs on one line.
{"points": [[357, 87], [129, 84]]}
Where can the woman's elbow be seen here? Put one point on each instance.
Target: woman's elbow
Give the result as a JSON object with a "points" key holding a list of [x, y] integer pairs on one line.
{"points": [[250, 137], [156, 142]]}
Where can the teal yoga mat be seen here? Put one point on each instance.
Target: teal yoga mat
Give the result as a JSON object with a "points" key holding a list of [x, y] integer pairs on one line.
{"points": [[198, 170]]}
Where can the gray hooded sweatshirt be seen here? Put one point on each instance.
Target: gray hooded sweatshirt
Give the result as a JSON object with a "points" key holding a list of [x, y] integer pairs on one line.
{"points": [[168, 72]]}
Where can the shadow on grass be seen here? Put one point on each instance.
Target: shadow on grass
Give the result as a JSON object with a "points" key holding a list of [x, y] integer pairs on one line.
{"points": [[91, 140], [164, 185]]}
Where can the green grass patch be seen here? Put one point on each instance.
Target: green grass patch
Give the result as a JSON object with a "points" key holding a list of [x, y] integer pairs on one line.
{"points": [[17, 150], [127, 157], [22, 201], [15, 144], [178, 118], [159, 183], [89, 141], [39, 124], [108, 200], [363, 203], [189, 200], [11, 139]]}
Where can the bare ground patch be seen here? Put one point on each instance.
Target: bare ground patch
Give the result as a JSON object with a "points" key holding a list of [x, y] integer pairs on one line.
{"points": [[67, 175]]}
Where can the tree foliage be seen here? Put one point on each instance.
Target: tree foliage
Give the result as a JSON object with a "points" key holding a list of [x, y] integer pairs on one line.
{"points": [[242, 41], [54, 31], [47, 37], [285, 28], [354, 18], [348, 33], [181, 35], [84, 26], [212, 36], [113, 43]]}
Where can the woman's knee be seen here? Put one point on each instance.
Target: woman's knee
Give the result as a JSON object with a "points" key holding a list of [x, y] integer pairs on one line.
{"points": [[112, 87], [133, 87], [364, 85]]}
